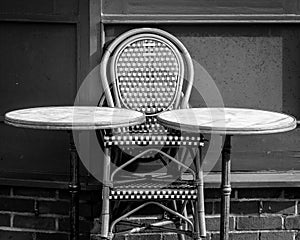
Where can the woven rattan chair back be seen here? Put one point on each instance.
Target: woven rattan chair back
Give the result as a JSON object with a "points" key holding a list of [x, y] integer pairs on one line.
{"points": [[147, 69]]}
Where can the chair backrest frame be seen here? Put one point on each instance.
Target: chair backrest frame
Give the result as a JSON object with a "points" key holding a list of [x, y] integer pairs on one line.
{"points": [[113, 51]]}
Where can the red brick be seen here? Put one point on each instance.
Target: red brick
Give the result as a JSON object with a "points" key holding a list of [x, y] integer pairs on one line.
{"points": [[13, 235], [34, 192], [85, 237], [277, 236], [238, 236], [170, 236], [259, 223], [244, 207], [213, 223], [212, 193], [278, 207], [64, 194], [96, 209], [4, 190], [251, 193], [209, 207], [86, 210], [144, 237], [215, 193], [44, 223], [292, 222], [174, 236], [16, 205], [63, 224], [84, 226], [56, 207], [4, 219], [52, 236], [90, 196], [98, 237], [240, 207]]}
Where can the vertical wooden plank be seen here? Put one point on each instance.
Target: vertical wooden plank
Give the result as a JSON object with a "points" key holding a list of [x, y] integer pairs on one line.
{"points": [[291, 70], [83, 42], [41, 70], [27, 7], [39, 7], [88, 84], [37, 64], [95, 28]]}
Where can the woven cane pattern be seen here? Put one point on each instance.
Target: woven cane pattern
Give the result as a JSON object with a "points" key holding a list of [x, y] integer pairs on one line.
{"points": [[148, 190], [143, 139], [147, 72], [151, 133]]}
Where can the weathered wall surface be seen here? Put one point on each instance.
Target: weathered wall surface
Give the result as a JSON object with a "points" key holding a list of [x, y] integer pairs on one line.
{"points": [[48, 48]]}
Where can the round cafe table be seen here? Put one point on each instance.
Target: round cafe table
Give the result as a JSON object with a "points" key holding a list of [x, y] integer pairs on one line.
{"points": [[227, 122], [74, 118]]}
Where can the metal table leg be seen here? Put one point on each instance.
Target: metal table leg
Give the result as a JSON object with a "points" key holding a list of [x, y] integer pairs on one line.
{"points": [[74, 188], [105, 214], [200, 210], [226, 189]]}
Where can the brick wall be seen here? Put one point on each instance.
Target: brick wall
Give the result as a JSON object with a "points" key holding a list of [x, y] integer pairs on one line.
{"points": [[258, 214], [42, 214]]}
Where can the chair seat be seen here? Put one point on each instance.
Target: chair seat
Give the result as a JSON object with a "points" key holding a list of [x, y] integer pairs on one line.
{"points": [[154, 139], [151, 133], [154, 190]]}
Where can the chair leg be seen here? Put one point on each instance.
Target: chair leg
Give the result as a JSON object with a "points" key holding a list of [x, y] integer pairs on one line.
{"points": [[180, 224], [196, 224], [105, 213], [200, 210], [183, 225]]}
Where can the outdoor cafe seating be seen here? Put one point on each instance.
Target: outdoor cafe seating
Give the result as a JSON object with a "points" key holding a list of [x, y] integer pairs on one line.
{"points": [[150, 71]]}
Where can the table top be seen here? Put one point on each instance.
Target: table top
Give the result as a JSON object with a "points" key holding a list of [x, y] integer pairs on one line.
{"points": [[73, 118], [231, 121]]}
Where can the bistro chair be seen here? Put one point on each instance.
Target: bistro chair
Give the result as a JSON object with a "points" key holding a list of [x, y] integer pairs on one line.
{"points": [[150, 70]]}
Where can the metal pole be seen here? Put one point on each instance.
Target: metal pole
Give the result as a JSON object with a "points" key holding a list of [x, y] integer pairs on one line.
{"points": [[74, 188], [200, 193], [105, 214], [225, 188]]}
